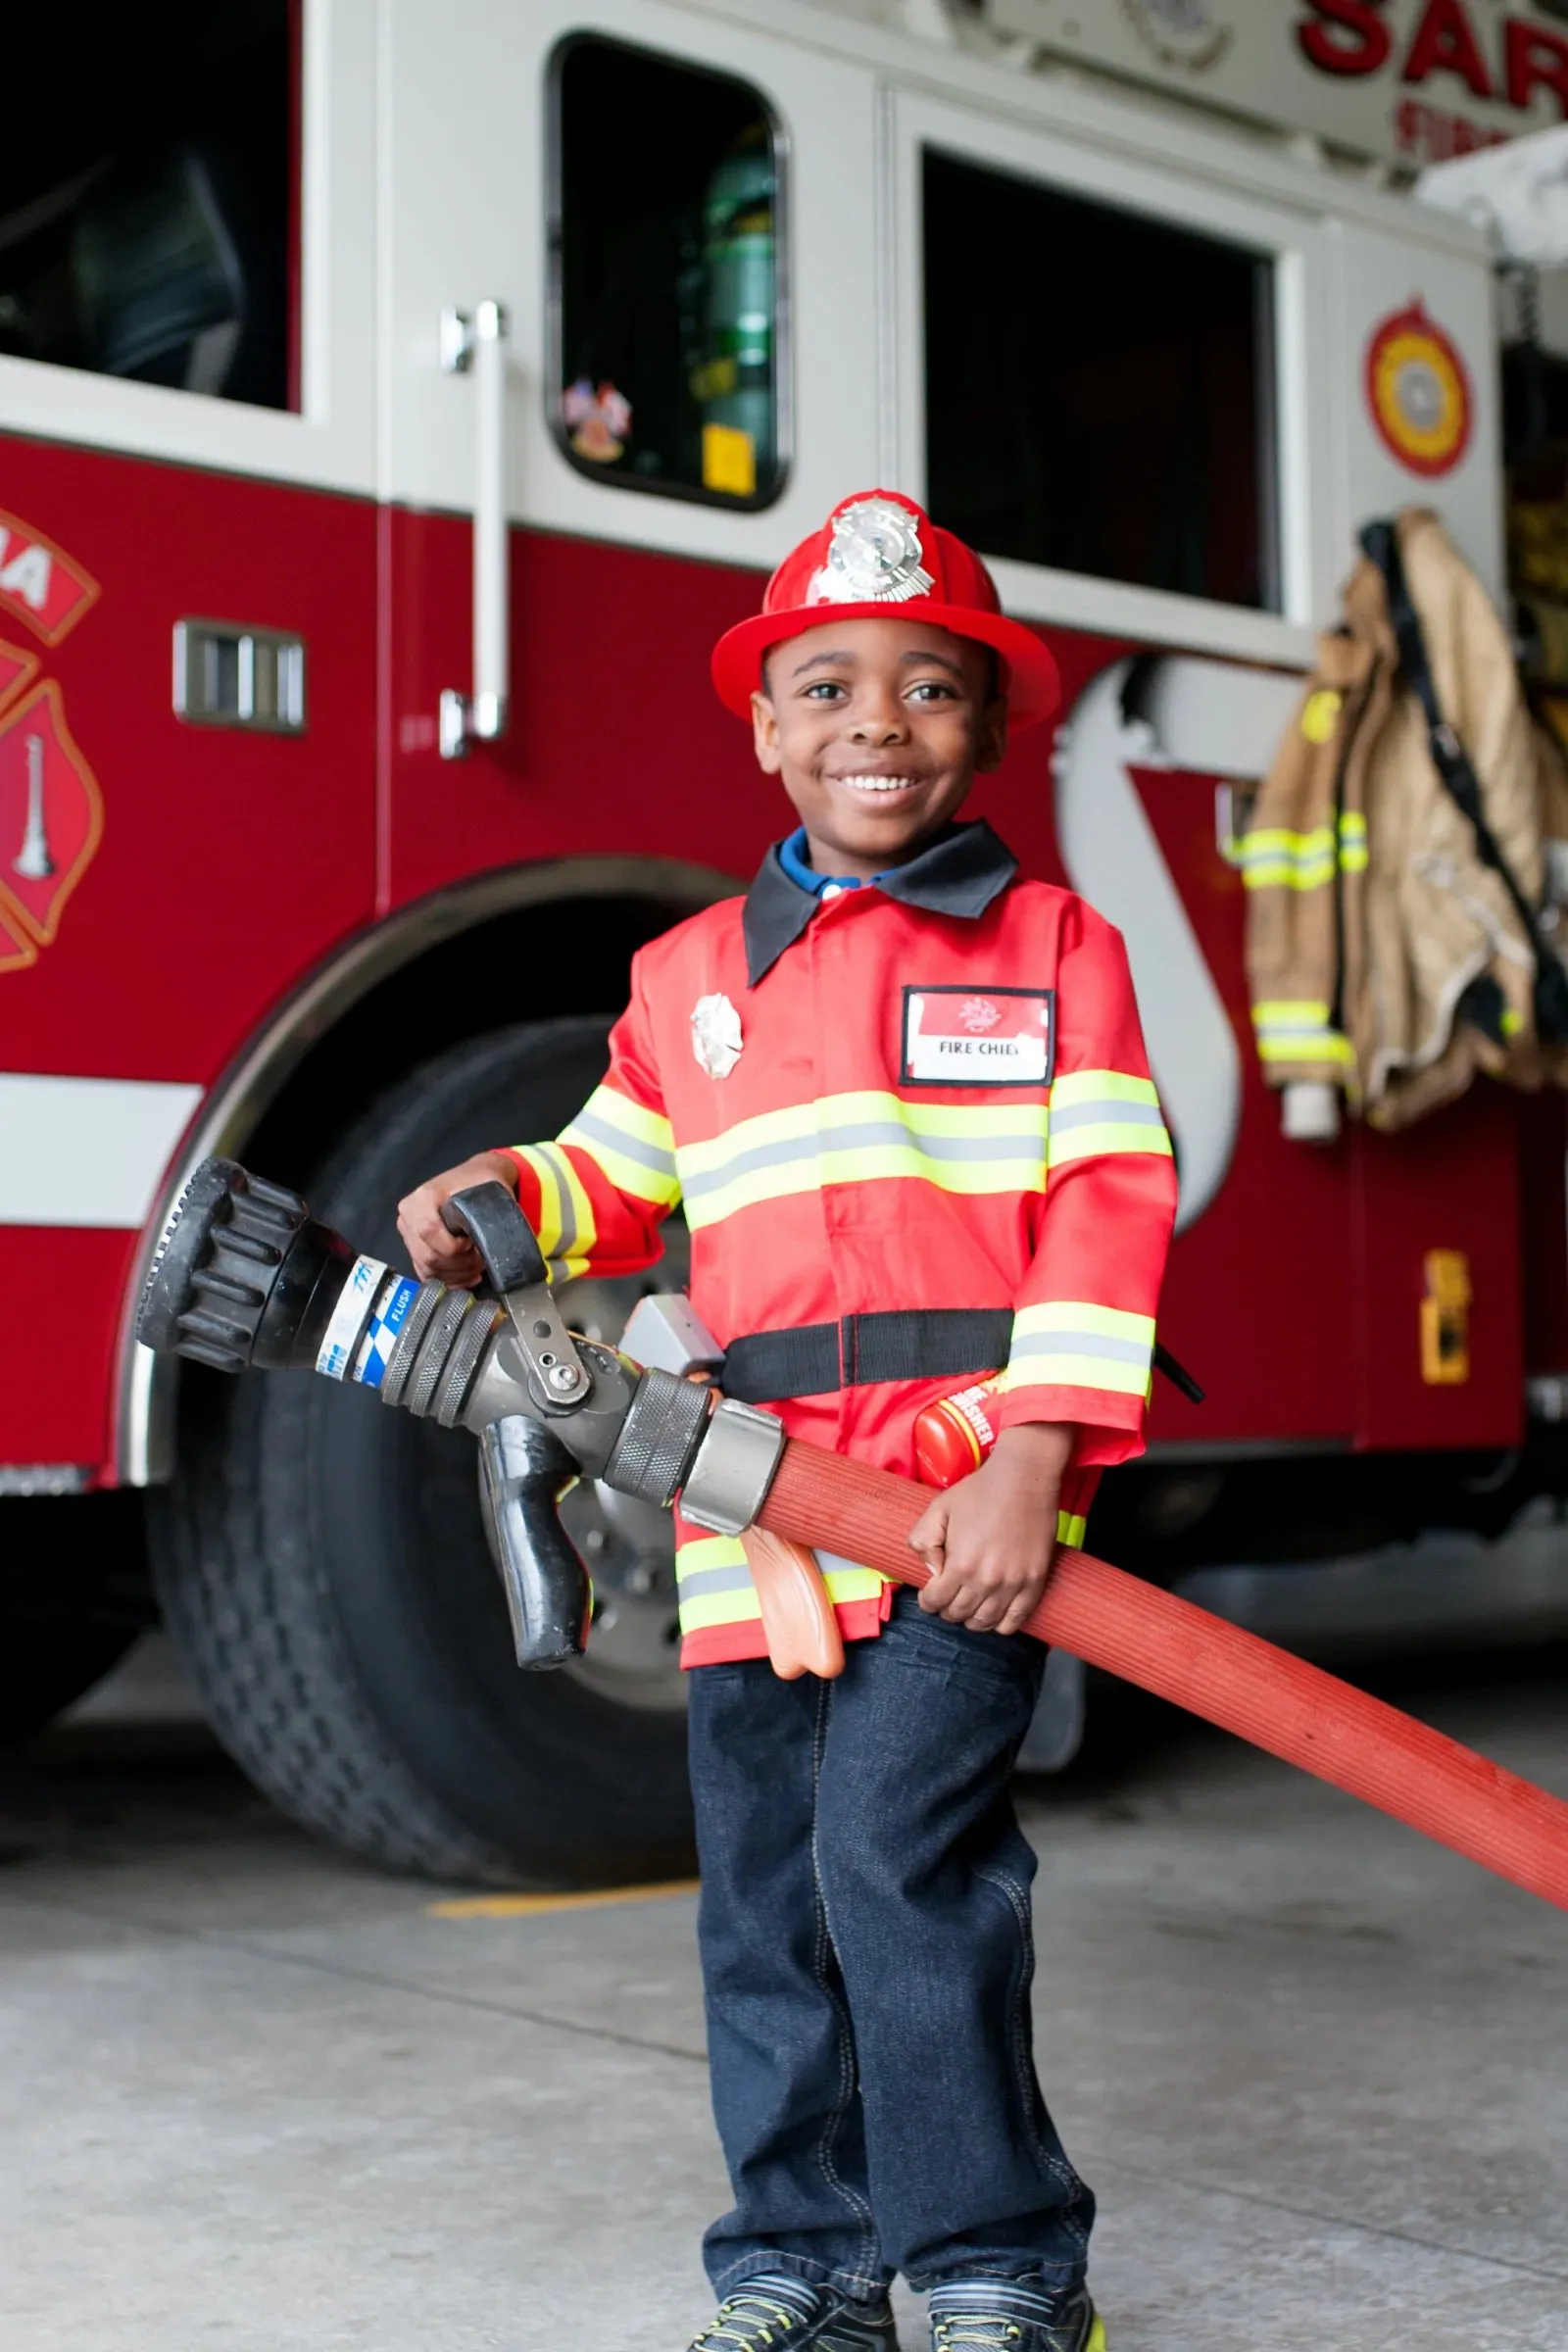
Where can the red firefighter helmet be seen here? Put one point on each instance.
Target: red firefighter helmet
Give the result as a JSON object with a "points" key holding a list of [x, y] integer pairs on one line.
{"points": [[876, 554]]}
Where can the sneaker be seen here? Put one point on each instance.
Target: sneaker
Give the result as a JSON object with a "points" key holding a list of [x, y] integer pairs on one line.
{"points": [[775, 2314], [1003, 2315]]}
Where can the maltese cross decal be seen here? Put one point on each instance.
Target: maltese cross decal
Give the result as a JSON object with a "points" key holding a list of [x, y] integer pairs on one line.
{"points": [[51, 818]]}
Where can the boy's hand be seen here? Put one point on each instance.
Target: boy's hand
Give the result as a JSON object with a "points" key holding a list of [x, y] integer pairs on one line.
{"points": [[435, 1254], [990, 1538]]}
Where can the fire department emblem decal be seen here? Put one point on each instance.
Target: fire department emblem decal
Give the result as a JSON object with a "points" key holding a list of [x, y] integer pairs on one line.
{"points": [[1418, 391], [979, 1014], [874, 558], [716, 1035], [51, 811], [51, 820]]}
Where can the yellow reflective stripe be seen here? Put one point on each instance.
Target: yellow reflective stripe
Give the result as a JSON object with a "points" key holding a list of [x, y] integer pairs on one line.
{"points": [[565, 1230], [1298, 1030], [845, 1580], [1074, 1343], [858, 1138], [634, 1147], [700, 1552], [1269, 841], [1280, 874], [1352, 843], [1071, 1528], [796, 1123], [1094, 1111], [1085, 1142], [714, 1583], [1271, 858], [720, 1609]]}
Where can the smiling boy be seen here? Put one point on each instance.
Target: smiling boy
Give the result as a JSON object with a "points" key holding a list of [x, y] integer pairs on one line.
{"points": [[903, 1096]]}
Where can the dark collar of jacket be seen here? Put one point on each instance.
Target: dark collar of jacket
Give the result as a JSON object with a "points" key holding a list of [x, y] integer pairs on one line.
{"points": [[960, 872]]}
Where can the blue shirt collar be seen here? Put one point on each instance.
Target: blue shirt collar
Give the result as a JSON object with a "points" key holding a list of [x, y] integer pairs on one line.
{"points": [[795, 857]]}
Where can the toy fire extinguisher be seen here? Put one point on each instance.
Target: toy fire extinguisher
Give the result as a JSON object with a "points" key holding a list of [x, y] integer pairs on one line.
{"points": [[954, 1436]]}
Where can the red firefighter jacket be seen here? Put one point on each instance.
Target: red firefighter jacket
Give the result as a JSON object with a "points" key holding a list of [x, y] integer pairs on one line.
{"points": [[931, 1091]]}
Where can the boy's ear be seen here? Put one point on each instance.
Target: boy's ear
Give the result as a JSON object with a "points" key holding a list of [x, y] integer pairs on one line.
{"points": [[764, 735], [991, 741]]}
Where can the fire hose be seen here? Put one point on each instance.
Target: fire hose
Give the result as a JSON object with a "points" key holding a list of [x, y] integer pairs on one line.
{"points": [[244, 1276]]}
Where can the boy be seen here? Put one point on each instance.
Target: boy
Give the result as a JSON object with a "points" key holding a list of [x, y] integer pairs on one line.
{"points": [[903, 1096]]}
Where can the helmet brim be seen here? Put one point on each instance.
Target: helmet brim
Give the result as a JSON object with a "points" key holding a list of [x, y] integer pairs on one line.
{"points": [[1031, 680]]}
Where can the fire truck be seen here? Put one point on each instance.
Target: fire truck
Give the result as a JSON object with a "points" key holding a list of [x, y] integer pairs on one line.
{"points": [[395, 405]]}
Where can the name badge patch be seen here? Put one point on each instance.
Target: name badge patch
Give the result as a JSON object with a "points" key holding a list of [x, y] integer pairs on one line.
{"points": [[979, 1036]]}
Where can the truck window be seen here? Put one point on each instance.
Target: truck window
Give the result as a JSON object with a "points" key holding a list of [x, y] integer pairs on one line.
{"points": [[665, 276], [1098, 388], [147, 227]]}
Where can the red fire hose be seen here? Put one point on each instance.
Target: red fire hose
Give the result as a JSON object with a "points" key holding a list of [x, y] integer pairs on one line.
{"points": [[1216, 1670]]}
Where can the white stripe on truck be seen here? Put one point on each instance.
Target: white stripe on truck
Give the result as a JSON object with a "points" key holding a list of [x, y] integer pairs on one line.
{"points": [[86, 1150]]}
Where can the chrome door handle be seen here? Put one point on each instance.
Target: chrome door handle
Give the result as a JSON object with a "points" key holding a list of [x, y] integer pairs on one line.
{"points": [[478, 343]]}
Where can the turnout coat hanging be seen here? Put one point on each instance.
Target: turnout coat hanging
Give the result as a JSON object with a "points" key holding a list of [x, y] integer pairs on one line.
{"points": [[1385, 954]]}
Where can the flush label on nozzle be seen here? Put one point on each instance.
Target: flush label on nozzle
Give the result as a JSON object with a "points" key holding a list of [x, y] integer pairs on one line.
{"points": [[375, 1348], [354, 1303]]}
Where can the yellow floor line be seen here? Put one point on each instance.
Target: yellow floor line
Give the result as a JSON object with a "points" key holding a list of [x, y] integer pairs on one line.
{"points": [[527, 1906]]}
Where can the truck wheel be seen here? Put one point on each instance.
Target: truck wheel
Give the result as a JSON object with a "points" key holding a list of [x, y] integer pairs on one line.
{"points": [[324, 1567]]}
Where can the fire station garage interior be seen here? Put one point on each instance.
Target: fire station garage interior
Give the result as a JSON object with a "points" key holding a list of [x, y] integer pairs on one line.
{"points": [[424, 435]]}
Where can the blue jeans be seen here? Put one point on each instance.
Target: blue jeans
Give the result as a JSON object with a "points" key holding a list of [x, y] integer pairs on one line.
{"points": [[868, 1958]]}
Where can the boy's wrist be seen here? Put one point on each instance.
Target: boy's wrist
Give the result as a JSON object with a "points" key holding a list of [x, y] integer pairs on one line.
{"points": [[1042, 1447], [501, 1164]]}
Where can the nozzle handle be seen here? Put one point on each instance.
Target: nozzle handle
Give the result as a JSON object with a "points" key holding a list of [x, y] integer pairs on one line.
{"points": [[503, 1235], [517, 1272]]}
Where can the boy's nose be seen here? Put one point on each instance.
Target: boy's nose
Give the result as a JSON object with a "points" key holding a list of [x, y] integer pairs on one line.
{"points": [[879, 721]]}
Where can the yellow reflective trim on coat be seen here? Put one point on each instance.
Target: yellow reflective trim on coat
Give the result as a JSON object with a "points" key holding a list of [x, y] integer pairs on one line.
{"points": [[859, 1139], [1076, 1343], [1288, 1030], [1353, 852], [714, 1587], [567, 1230], [1088, 1143], [1071, 1528], [1274, 859], [1320, 715], [1096, 1111], [635, 1147]]}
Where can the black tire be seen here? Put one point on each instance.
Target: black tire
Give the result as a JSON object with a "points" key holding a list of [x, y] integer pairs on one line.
{"points": [[324, 1569]]}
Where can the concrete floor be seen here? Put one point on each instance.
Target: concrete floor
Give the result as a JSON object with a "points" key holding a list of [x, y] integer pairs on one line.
{"points": [[255, 2097]]}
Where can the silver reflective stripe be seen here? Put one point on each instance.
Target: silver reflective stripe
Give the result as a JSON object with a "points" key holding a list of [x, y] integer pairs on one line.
{"points": [[600, 1131], [1110, 1111], [560, 1169], [713, 1580], [867, 1135], [1081, 1342], [761, 1155]]}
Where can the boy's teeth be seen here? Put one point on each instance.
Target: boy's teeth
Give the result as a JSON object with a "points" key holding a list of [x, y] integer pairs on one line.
{"points": [[879, 783]]}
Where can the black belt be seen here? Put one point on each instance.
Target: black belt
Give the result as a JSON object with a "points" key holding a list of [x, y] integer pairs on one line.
{"points": [[923, 1342]]}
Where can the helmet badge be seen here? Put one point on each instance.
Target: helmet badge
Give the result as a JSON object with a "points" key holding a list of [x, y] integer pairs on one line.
{"points": [[874, 559]]}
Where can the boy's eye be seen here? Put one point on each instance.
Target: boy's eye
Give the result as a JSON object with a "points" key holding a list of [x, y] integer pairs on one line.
{"points": [[824, 690], [929, 690]]}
